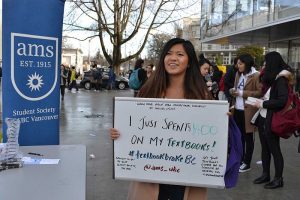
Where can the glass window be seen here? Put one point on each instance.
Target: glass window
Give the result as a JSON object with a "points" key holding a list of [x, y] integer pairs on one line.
{"points": [[286, 8], [235, 47], [294, 61], [224, 46], [261, 13], [216, 17], [244, 14], [229, 15], [205, 18], [260, 5], [217, 11], [245, 7], [226, 60]]}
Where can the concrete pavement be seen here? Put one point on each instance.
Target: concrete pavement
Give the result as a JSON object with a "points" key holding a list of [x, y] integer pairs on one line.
{"points": [[86, 117]]}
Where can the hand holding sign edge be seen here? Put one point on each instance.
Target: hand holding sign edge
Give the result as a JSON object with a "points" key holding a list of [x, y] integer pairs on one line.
{"points": [[114, 133]]}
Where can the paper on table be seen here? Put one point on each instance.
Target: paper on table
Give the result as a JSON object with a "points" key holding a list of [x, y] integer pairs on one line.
{"points": [[39, 161], [49, 161], [252, 100]]}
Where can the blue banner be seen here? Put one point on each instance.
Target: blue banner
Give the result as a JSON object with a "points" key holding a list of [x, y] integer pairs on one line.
{"points": [[31, 39]]}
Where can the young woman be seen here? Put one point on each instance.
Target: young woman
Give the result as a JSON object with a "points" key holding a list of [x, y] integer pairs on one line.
{"points": [[149, 70], [276, 77], [246, 85], [215, 75], [73, 79], [176, 77], [63, 80], [204, 66], [229, 79], [142, 74]]}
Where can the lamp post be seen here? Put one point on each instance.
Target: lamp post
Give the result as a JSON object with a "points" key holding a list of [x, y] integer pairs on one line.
{"points": [[89, 51], [129, 61]]}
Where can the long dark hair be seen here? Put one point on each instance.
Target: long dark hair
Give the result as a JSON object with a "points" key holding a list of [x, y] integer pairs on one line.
{"points": [[194, 85], [138, 64], [274, 64], [248, 60], [203, 60]]}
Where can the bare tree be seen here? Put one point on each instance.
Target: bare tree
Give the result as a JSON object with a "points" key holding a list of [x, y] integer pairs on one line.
{"points": [[156, 44], [66, 44], [120, 21], [99, 59]]}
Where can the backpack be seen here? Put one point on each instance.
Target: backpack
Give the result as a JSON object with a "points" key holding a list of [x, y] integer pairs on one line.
{"points": [[287, 121], [134, 82]]}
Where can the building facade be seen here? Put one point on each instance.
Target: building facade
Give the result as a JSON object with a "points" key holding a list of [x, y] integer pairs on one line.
{"points": [[191, 31], [225, 52], [72, 57], [273, 24]]}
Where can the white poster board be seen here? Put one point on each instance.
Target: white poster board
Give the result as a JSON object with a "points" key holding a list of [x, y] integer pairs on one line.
{"points": [[180, 142]]}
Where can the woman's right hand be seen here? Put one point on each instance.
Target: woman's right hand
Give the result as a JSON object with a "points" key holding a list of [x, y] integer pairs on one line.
{"points": [[233, 92], [114, 133]]}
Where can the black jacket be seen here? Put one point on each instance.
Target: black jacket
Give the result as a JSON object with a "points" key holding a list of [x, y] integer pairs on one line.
{"points": [[229, 81], [142, 74], [277, 101]]}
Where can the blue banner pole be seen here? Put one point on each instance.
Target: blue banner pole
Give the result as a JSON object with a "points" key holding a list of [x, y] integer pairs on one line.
{"points": [[31, 39]]}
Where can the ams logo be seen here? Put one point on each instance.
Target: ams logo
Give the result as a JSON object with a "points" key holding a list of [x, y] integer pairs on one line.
{"points": [[34, 65]]}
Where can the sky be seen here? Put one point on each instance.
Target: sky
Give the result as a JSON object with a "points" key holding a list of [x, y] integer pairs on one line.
{"points": [[93, 45]]}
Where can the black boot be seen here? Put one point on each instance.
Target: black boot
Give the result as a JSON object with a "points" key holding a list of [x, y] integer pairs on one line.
{"points": [[262, 179], [276, 183]]}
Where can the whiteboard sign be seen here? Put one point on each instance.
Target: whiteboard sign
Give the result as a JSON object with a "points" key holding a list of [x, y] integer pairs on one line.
{"points": [[180, 142]]}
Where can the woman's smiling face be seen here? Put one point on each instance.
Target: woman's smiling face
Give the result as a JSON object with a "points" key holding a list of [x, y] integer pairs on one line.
{"points": [[176, 61]]}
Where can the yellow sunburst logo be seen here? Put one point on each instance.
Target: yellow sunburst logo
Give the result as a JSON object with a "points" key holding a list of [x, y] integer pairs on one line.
{"points": [[35, 82]]}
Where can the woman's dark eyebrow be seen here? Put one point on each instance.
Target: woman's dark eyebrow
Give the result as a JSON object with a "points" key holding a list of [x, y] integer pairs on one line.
{"points": [[170, 51]]}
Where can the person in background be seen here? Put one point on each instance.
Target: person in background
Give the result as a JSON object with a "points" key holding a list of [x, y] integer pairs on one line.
{"points": [[111, 78], [69, 76], [229, 79], [276, 77], [204, 65], [97, 77], [176, 77], [142, 74], [222, 88], [129, 73], [73, 76], [63, 80], [216, 76], [149, 70], [205, 71], [246, 85]]}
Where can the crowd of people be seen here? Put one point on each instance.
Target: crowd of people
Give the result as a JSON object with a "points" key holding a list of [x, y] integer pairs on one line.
{"points": [[69, 75], [242, 80], [68, 78], [180, 75]]}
